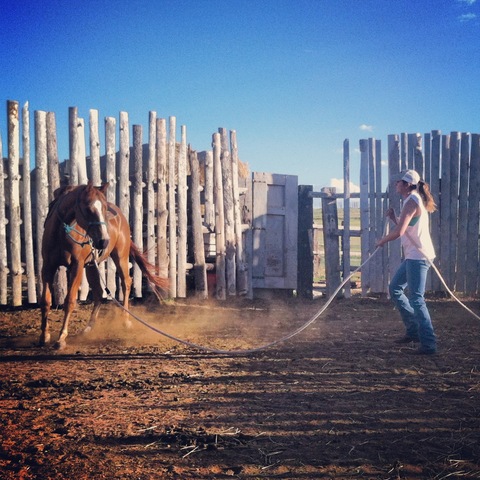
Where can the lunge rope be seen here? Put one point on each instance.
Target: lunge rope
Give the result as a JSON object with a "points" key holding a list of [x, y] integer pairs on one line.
{"points": [[249, 350], [300, 329]]}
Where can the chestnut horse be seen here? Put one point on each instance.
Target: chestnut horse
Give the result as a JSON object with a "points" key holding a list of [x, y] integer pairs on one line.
{"points": [[81, 230]]}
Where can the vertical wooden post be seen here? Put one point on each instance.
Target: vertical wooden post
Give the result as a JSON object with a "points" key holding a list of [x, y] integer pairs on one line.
{"points": [[230, 244], [151, 180], [445, 237], [137, 214], [453, 224], [110, 124], [242, 278], [95, 149], [393, 248], [52, 156], [124, 166], [463, 212], [162, 211], [182, 216], [305, 238], [219, 218], [209, 204], [472, 264], [346, 216], [27, 207], [435, 162], [41, 180], [14, 201], [331, 240], [73, 144], [3, 234], [364, 214], [199, 268], [172, 216]]}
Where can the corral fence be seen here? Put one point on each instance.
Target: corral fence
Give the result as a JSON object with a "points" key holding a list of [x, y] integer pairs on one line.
{"points": [[206, 223], [450, 164]]}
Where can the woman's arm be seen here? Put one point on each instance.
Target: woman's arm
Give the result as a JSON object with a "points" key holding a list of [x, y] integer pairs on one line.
{"points": [[410, 210]]}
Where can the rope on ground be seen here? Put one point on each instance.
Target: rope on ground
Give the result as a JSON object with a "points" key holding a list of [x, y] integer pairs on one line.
{"points": [[249, 350]]}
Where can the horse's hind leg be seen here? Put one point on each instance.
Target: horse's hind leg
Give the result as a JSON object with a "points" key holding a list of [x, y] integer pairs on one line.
{"points": [[93, 277], [125, 282], [46, 303]]}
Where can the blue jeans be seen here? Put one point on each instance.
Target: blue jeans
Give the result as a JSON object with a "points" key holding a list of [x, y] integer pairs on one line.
{"points": [[412, 274]]}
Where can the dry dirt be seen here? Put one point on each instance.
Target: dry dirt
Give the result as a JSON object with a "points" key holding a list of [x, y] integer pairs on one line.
{"points": [[340, 400]]}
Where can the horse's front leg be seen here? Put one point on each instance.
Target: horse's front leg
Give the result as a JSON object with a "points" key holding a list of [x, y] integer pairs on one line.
{"points": [[46, 303], [93, 277], [74, 281]]}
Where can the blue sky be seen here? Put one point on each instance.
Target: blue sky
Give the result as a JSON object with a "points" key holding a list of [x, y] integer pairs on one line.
{"points": [[294, 78]]}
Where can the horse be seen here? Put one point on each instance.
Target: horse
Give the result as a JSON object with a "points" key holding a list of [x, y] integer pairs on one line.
{"points": [[82, 230]]}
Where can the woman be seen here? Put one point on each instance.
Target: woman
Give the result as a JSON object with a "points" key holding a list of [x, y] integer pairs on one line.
{"points": [[413, 229]]}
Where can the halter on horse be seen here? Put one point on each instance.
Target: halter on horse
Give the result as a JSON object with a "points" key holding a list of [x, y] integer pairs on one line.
{"points": [[81, 227]]}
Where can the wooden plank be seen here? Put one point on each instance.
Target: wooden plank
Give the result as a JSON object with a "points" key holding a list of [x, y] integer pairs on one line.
{"points": [[472, 257], [162, 210], [454, 184], [41, 180], [73, 144], [27, 206], [137, 211], [124, 166], [95, 169], [219, 218], [394, 250], [110, 168], [182, 215], [200, 271], [461, 267], [331, 242], [242, 279], [346, 217], [445, 220], [52, 155], [305, 251], [172, 216], [151, 182], [3, 234], [364, 213], [435, 164]]}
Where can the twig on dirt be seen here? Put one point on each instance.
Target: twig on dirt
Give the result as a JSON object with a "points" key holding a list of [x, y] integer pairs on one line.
{"points": [[148, 428], [193, 447]]}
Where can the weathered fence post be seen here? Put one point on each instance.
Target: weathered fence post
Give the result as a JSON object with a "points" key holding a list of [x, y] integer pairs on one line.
{"points": [[73, 144], [230, 244], [52, 156], [304, 242], [331, 240], [364, 215], [95, 149], [41, 180], [199, 267], [137, 214], [172, 216], [3, 234], [472, 270], [162, 211], [151, 180], [346, 216], [242, 279], [182, 215], [27, 208], [435, 189], [219, 218], [110, 124], [393, 248]]}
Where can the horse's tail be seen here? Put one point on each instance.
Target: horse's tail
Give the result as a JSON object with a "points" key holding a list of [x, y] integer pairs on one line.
{"points": [[148, 270]]}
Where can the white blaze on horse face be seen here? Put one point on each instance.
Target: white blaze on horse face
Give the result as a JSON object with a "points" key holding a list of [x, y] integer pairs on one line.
{"points": [[97, 205]]}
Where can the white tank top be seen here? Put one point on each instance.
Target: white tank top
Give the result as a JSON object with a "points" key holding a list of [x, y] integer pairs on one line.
{"points": [[416, 241]]}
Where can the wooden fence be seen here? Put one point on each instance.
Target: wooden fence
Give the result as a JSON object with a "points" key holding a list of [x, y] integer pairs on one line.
{"points": [[451, 165], [187, 230]]}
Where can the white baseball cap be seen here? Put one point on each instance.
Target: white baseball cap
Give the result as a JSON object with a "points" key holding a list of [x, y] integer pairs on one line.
{"points": [[411, 176]]}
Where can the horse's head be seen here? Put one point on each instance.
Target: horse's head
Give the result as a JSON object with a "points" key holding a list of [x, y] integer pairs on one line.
{"points": [[92, 214]]}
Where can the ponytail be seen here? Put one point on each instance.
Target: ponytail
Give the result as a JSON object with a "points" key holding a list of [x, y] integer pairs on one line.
{"points": [[428, 201]]}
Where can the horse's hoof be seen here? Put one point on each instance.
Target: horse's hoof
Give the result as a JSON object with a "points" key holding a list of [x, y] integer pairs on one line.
{"points": [[44, 340], [60, 345]]}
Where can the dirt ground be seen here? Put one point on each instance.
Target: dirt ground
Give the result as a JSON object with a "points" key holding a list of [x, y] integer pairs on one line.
{"points": [[340, 400]]}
